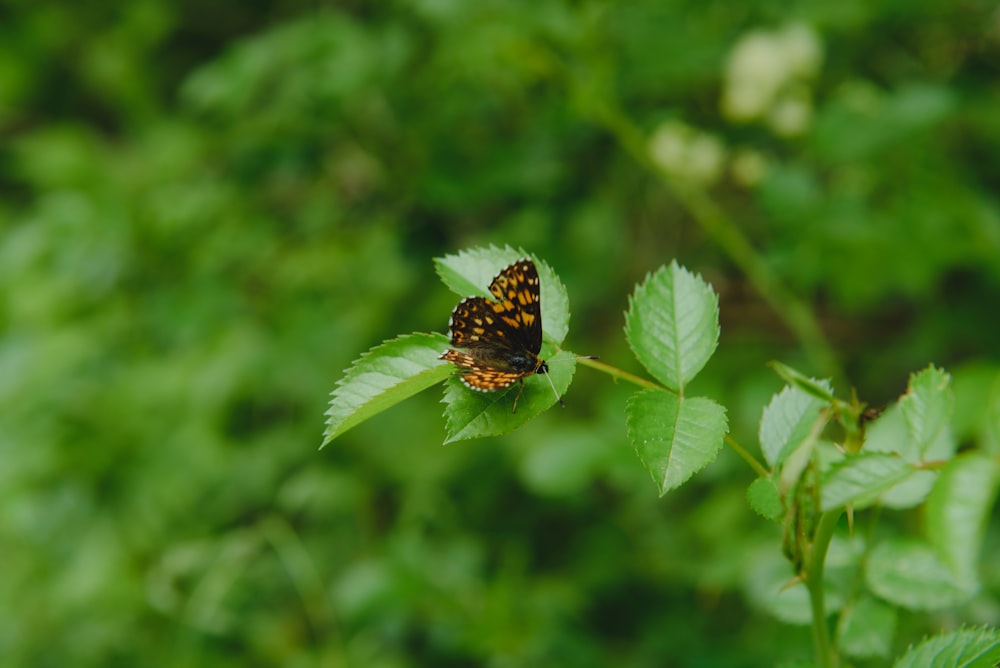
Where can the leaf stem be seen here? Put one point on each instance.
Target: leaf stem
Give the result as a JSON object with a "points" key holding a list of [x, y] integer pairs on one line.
{"points": [[750, 459], [615, 372], [931, 464], [825, 655]]}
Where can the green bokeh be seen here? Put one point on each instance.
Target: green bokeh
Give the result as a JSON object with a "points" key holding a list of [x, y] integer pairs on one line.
{"points": [[209, 211]]}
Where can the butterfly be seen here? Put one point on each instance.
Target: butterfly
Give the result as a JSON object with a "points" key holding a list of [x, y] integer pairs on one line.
{"points": [[500, 338]]}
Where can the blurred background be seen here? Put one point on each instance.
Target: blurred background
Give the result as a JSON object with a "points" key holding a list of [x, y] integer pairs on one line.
{"points": [[209, 210]]}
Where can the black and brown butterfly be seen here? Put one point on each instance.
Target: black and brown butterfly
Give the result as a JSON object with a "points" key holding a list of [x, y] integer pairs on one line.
{"points": [[502, 338]]}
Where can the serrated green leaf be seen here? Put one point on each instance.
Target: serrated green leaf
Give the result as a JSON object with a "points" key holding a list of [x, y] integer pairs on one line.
{"points": [[962, 648], [911, 491], [957, 512], [674, 437], [888, 434], [384, 376], [764, 499], [861, 479], [866, 629], [908, 573], [787, 421], [927, 406], [469, 272], [819, 389], [472, 414], [672, 325]]}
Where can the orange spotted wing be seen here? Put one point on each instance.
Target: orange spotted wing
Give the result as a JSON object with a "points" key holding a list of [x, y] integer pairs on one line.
{"points": [[499, 339]]}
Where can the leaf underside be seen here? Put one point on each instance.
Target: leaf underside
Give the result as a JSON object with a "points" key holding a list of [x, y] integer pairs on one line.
{"points": [[861, 479], [787, 420], [909, 573], [957, 512]]}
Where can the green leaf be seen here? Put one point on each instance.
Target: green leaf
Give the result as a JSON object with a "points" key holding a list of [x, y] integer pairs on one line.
{"points": [[908, 573], [927, 406], [911, 491], [796, 464], [469, 273], [888, 434], [963, 648], [473, 414], [957, 512], [866, 629], [764, 499], [817, 388], [977, 405], [787, 421], [861, 479], [674, 437], [384, 376], [672, 325]]}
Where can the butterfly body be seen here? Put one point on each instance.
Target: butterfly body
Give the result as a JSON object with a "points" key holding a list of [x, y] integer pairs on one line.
{"points": [[498, 340]]}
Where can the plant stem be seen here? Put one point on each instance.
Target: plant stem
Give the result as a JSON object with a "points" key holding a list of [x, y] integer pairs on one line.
{"points": [[825, 656], [796, 314], [615, 372], [750, 459]]}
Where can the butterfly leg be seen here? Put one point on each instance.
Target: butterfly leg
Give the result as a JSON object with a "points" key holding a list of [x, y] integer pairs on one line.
{"points": [[520, 391]]}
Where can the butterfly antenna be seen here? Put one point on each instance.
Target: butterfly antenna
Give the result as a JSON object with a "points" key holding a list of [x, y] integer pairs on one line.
{"points": [[567, 359], [554, 391], [571, 359]]}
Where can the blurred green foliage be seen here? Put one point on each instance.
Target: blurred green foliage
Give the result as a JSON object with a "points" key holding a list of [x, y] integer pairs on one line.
{"points": [[209, 210]]}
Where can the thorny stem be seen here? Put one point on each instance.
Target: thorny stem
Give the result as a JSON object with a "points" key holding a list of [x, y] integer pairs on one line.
{"points": [[815, 565]]}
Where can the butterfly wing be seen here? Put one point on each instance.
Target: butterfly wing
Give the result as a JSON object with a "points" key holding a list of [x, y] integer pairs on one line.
{"points": [[479, 375], [500, 339], [519, 306]]}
